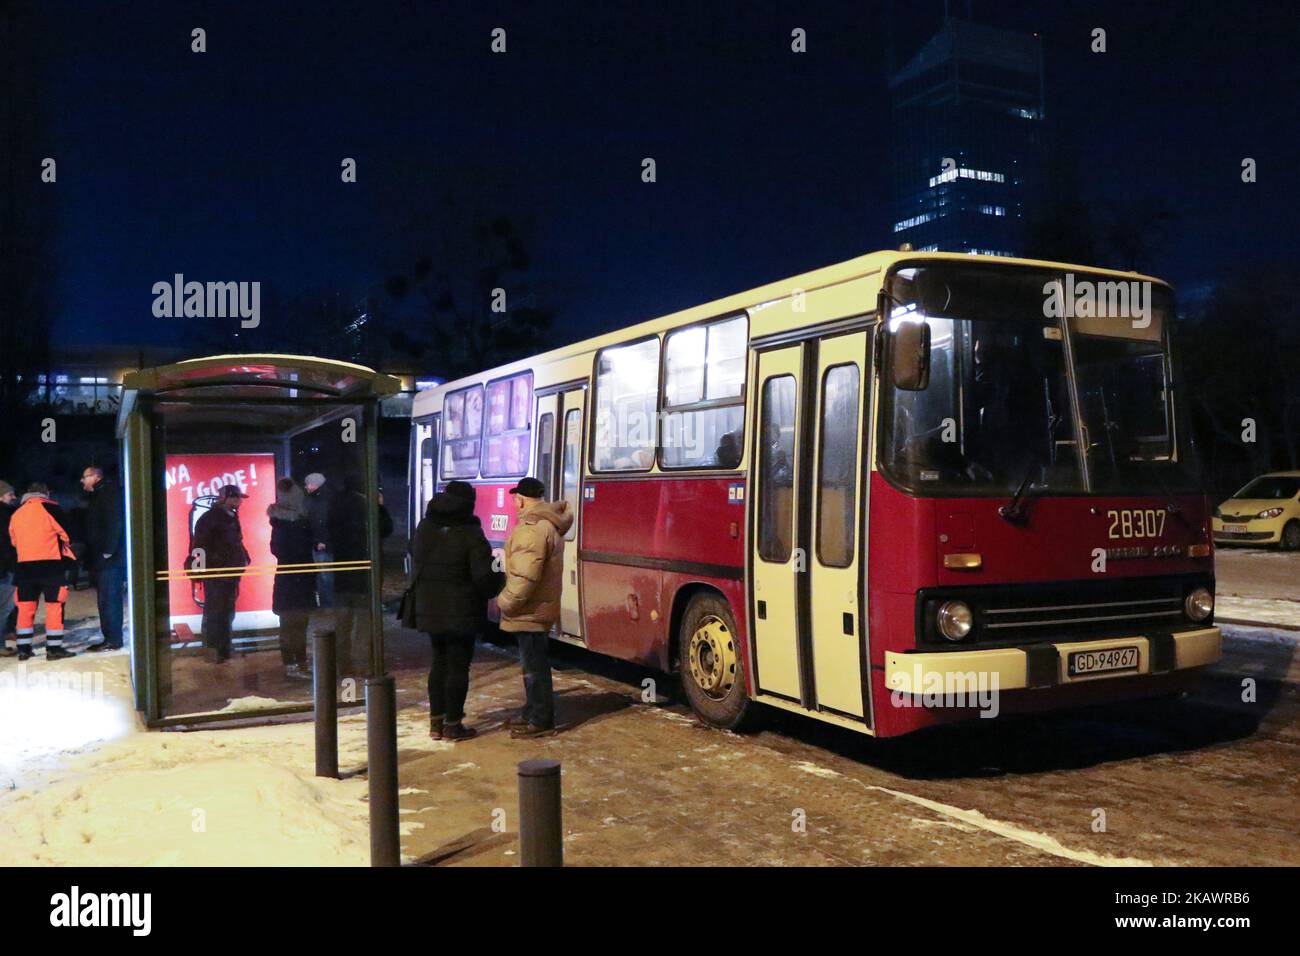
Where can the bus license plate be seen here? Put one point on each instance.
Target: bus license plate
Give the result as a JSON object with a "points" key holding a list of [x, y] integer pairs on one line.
{"points": [[1087, 663], [1234, 528]]}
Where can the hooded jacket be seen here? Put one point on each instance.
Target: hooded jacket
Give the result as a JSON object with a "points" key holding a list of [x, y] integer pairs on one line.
{"points": [[37, 531], [291, 543], [535, 568], [454, 577]]}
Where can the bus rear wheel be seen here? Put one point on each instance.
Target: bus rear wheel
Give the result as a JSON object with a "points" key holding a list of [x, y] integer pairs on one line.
{"points": [[713, 675]]}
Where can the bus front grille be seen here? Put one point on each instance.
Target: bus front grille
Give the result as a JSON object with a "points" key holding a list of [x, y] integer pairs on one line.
{"points": [[1080, 610]]}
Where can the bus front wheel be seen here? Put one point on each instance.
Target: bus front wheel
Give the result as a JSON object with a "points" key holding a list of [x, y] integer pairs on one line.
{"points": [[713, 674]]}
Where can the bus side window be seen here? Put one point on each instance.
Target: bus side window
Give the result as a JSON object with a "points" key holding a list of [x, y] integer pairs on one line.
{"points": [[546, 452], [572, 463], [704, 395], [837, 470], [776, 470], [506, 433], [463, 424], [627, 404]]}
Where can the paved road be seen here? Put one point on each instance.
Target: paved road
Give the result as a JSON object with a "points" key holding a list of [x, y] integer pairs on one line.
{"points": [[1208, 779], [1257, 573]]}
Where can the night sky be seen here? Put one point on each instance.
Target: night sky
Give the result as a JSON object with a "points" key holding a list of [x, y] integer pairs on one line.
{"points": [[225, 165]]}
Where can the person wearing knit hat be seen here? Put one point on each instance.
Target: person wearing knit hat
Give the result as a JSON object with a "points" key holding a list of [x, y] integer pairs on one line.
{"points": [[8, 561], [452, 580]]}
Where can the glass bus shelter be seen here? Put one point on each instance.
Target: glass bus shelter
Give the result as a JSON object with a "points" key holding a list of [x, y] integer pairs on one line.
{"points": [[252, 421]]}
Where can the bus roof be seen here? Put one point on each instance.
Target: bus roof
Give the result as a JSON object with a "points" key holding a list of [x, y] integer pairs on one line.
{"points": [[847, 271]]}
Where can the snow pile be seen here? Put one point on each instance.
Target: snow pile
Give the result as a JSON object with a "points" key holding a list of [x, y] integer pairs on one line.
{"points": [[240, 705], [1258, 610], [82, 784], [203, 813], [49, 711]]}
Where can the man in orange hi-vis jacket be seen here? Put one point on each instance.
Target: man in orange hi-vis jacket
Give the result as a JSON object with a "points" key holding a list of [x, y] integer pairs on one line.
{"points": [[37, 530]]}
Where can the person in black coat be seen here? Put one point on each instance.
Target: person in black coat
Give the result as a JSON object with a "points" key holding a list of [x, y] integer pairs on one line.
{"points": [[8, 564], [453, 580], [106, 553], [220, 540], [294, 592], [350, 539]]}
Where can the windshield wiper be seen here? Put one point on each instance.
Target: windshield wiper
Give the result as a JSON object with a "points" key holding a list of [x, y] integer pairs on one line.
{"points": [[1171, 502], [1016, 511]]}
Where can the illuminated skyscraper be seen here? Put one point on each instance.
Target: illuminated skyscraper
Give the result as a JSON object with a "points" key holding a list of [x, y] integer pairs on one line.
{"points": [[968, 117]]}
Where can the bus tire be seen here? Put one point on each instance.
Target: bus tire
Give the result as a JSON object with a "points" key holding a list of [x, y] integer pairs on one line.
{"points": [[1290, 537], [712, 672]]}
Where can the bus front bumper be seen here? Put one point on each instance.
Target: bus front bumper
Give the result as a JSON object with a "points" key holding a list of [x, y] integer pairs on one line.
{"points": [[1052, 665]]}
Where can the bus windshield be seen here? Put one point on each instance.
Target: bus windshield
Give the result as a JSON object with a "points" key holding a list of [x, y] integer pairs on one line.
{"points": [[1030, 386]]}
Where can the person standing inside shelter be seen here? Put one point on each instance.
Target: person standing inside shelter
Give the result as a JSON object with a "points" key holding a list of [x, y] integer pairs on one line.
{"points": [[293, 593], [349, 535], [219, 544], [320, 512]]}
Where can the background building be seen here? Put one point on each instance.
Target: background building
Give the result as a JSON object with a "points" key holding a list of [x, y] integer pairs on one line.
{"points": [[967, 122]]}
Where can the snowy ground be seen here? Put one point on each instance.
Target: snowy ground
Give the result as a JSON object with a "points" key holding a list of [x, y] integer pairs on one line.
{"points": [[95, 789], [82, 783], [1258, 584], [1262, 610]]}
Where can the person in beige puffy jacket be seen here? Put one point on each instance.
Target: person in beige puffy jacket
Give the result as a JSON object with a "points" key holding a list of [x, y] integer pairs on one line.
{"points": [[530, 601]]}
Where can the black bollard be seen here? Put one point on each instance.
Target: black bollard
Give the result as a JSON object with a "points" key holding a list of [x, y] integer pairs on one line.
{"points": [[381, 754], [541, 837], [326, 698]]}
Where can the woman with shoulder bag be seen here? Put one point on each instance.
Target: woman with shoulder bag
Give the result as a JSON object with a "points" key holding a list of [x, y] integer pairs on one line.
{"points": [[452, 581]]}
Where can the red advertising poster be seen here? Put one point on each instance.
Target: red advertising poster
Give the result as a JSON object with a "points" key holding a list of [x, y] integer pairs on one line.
{"points": [[192, 482]]}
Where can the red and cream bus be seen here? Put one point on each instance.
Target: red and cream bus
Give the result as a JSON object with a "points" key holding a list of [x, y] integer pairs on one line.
{"points": [[860, 492]]}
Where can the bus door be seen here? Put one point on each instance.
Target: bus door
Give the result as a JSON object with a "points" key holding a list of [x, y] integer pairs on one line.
{"points": [[569, 453], [424, 465], [807, 502], [544, 456], [775, 501], [835, 593]]}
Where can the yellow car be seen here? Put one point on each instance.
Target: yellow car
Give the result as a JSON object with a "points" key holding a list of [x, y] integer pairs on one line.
{"points": [[1266, 511]]}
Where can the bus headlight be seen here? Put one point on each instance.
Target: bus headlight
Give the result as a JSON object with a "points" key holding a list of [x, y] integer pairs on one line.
{"points": [[1199, 604], [955, 620]]}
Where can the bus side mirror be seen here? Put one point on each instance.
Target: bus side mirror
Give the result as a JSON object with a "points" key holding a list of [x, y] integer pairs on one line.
{"points": [[910, 357]]}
